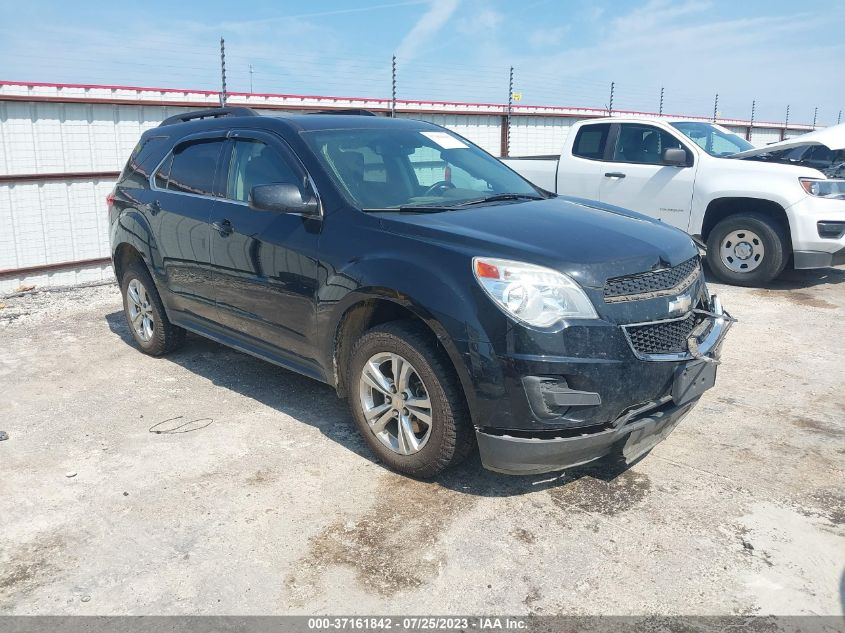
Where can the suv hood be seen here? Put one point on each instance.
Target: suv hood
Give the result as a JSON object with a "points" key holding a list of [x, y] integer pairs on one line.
{"points": [[587, 240], [831, 137]]}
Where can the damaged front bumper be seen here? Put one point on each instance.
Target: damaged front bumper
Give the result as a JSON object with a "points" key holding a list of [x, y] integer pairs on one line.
{"points": [[634, 433]]}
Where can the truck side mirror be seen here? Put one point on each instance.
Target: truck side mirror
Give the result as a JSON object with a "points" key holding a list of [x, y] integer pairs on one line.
{"points": [[282, 198], [675, 156]]}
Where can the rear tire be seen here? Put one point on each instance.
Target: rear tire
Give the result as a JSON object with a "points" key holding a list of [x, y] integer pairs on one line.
{"points": [[145, 315], [747, 249], [423, 446]]}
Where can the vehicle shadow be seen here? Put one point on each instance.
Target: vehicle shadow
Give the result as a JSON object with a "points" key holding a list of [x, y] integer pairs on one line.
{"points": [[791, 279], [314, 403]]}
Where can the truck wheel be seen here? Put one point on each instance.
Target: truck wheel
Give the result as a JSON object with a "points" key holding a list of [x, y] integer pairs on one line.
{"points": [[747, 249], [407, 401], [150, 328]]}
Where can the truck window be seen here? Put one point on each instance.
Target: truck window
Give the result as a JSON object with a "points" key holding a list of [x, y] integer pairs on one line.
{"points": [[643, 144], [193, 167], [591, 141]]}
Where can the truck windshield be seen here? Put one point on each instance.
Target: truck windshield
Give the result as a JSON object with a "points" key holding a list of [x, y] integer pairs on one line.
{"points": [[712, 139], [387, 169]]}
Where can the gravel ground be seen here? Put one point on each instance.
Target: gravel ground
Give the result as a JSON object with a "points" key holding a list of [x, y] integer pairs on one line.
{"points": [[211, 482]]}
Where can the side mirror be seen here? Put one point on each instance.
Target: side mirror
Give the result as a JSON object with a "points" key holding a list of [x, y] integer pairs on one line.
{"points": [[282, 198], [675, 156]]}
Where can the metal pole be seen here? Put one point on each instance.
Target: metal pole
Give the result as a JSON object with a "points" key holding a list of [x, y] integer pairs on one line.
{"points": [[393, 88], [716, 108], [751, 124], [660, 112], [250, 79], [610, 105], [785, 124], [510, 109], [815, 117], [839, 118], [223, 72]]}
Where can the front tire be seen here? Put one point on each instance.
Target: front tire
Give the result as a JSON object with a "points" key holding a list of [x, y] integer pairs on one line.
{"points": [[747, 249], [145, 314], [407, 401]]}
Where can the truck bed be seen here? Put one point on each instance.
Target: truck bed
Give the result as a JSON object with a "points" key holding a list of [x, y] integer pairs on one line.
{"points": [[541, 170]]}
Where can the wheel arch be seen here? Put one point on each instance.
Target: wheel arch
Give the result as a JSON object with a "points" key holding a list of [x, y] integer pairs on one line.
{"points": [[720, 208], [366, 310]]}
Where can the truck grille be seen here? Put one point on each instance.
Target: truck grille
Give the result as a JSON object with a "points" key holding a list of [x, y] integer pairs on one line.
{"points": [[666, 337], [653, 283]]}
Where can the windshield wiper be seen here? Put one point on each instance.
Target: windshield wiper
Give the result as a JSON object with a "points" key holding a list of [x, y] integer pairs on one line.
{"points": [[412, 208], [501, 196]]}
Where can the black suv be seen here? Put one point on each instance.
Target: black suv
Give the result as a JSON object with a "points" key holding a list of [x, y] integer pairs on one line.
{"points": [[451, 301]]}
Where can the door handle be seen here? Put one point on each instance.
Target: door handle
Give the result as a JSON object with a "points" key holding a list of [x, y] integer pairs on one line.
{"points": [[614, 174], [224, 227]]}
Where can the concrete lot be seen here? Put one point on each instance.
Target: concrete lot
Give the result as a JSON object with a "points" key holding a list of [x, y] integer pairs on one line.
{"points": [[211, 482]]}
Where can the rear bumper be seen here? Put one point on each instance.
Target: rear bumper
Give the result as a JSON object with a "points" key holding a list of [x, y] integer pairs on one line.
{"points": [[530, 456]]}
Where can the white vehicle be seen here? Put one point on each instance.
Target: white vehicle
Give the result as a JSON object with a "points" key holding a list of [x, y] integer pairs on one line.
{"points": [[752, 213]]}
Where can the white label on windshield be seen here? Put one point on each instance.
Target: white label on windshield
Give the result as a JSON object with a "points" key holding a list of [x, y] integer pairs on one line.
{"points": [[446, 141]]}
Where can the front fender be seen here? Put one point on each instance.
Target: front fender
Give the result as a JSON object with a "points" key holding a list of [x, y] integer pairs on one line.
{"points": [[428, 289]]}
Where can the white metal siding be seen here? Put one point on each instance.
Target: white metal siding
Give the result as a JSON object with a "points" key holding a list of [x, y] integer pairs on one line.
{"points": [[483, 130], [538, 135], [761, 136]]}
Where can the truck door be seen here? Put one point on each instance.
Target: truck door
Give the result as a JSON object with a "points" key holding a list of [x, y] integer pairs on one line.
{"points": [[634, 176], [580, 169]]}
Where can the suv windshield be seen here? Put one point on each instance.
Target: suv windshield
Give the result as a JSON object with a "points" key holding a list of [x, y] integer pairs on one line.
{"points": [[712, 139], [386, 169]]}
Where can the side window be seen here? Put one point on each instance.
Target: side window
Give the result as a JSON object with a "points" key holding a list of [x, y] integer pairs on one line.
{"points": [[193, 166], [255, 163], [163, 172], [591, 141], [643, 144]]}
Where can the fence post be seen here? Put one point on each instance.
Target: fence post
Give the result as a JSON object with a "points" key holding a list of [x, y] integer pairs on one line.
{"points": [[610, 103], [222, 73], [716, 108], [815, 117], [785, 124], [393, 88], [839, 118], [250, 80], [751, 126], [660, 111], [507, 134]]}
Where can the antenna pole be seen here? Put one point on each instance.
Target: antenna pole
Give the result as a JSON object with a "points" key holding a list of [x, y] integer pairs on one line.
{"points": [[510, 109], [250, 79], [610, 105], [815, 117], [660, 112], [716, 108]]}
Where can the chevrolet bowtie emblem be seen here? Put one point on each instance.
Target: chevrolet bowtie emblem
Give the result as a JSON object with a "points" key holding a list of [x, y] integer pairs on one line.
{"points": [[680, 304]]}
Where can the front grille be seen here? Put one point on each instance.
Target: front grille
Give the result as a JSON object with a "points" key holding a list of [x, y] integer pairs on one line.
{"points": [[653, 283], [667, 337]]}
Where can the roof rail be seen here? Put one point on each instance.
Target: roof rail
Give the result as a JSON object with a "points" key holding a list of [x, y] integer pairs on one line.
{"points": [[348, 111], [212, 113]]}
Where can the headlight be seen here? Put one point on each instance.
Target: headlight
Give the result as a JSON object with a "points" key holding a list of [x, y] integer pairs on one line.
{"points": [[537, 296], [824, 188]]}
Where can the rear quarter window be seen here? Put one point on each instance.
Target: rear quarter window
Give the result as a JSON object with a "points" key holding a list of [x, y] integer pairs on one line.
{"points": [[146, 155], [591, 141]]}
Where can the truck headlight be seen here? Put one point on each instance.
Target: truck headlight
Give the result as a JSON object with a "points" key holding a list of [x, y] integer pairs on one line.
{"points": [[536, 296], [822, 188]]}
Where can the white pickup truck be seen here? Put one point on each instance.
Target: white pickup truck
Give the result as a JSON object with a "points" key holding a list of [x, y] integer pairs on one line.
{"points": [[753, 213]]}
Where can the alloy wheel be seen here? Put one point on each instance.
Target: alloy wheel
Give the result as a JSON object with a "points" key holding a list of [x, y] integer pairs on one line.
{"points": [[396, 403], [140, 310]]}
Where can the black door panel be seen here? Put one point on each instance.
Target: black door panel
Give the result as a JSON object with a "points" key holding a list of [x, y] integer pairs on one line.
{"points": [[264, 263]]}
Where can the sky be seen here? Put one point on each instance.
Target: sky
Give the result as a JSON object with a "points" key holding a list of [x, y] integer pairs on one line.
{"points": [[778, 53]]}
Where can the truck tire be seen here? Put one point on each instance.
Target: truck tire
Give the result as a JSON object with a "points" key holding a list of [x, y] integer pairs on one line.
{"points": [[407, 401], [144, 311], [747, 249]]}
